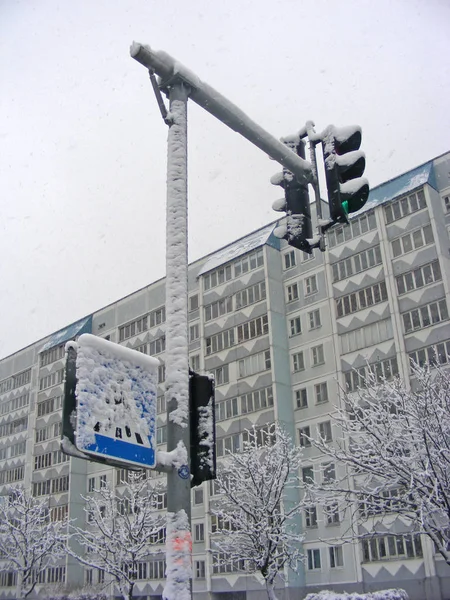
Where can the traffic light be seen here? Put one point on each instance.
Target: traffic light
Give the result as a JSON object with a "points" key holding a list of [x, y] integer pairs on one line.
{"points": [[202, 421], [297, 230], [344, 165]]}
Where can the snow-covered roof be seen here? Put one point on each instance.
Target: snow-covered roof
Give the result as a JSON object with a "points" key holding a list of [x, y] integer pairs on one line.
{"points": [[241, 246], [401, 185], [69, 332]]}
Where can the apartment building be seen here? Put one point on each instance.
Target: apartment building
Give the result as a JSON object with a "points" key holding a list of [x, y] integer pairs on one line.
{"points": [[281, 331]]}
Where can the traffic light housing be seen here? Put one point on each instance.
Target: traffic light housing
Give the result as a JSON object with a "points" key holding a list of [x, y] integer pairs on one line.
{"points": [[347, 190], [202, 421], [297, 230]]}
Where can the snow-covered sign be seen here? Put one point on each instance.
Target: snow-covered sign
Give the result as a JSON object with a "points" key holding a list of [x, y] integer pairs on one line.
{"points": [[110, 403]]}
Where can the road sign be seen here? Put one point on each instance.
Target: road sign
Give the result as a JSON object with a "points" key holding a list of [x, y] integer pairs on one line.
{"points": [[110, 403]]}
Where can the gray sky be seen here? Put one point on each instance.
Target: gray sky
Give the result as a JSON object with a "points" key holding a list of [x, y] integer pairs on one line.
{"points": [[83, 147]]}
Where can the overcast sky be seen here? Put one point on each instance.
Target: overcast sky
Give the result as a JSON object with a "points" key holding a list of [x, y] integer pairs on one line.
{"points": [[83, 147]]}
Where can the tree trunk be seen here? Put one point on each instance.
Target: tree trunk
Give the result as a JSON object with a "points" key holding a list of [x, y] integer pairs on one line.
{"points": [[270, 587]]}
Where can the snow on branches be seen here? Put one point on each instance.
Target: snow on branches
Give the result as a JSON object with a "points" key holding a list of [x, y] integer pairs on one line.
{"points": [[395, 444], [30, 541], [257, 514], [122, 529]]}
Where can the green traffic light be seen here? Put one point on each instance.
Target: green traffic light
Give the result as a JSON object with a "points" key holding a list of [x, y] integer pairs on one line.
{"points": [[345, 206]]}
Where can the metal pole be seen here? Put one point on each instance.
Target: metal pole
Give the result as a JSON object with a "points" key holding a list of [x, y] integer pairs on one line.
{"points": [[179, 541]]}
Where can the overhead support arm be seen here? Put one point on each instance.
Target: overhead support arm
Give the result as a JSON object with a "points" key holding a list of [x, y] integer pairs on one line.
{"points": [[168, 69]]}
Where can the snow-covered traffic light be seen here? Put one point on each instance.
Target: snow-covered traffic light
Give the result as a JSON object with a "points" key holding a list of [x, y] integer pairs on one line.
{"points": [[297, 229], [202, 422], [344, 165]]}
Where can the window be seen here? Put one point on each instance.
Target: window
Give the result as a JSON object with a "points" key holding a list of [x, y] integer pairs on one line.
{"points": [[310, 285], [311, 517], [218, 308], [41, 488], [336, 557], [200, 570], [418, 278], [313, 559], [156, 569], [221, 375], [220, 341], [194, 332], [298, 362], [361, 299], [143, 348], [317, 355], [325, 431], [356, 378], [314, 319], [331, 512], [357, 227], [292, 292], [193, 302], [217, 277], [308, 475], [252, 329], [250, 295], [89, 578], [389, 547], [447, 203], [161, 434], [304, 433], [157, 317], [301, 398], [432, 355], [198, 496], [52, 355], [254, 363], [13, 427], [157, 346], [321, 392], [199, 532], [404, 206], [370, 335], [43, 461], [256, 400], [227, 409], [295, 326], [50, 380], [289, 260], [103, 481], [329, 472], [161, 405], [194, 362], [161, 373], [425, 316], [228, 444], [412, 241], [356, 263], [247, 263], [221, 564]]}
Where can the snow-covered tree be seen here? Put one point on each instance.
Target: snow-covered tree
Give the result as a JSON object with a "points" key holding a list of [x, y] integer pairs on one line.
{"points": [[121, 530], [257, 514], [395, 444], [29, 540]]}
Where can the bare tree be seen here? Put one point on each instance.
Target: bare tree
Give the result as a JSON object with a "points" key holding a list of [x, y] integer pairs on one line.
{"points": [[395, 444], [257, 514], [29, 540], [121, 531]]}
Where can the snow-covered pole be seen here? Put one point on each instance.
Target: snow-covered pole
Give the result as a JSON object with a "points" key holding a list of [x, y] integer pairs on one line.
{"points": [[179, 541], [166, 67]]}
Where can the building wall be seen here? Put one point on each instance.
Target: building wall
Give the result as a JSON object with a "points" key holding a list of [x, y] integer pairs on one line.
{"points": [[282, 331]]}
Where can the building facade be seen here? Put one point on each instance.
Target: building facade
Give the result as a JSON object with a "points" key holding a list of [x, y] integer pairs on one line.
{"points": [[281, 331]]}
